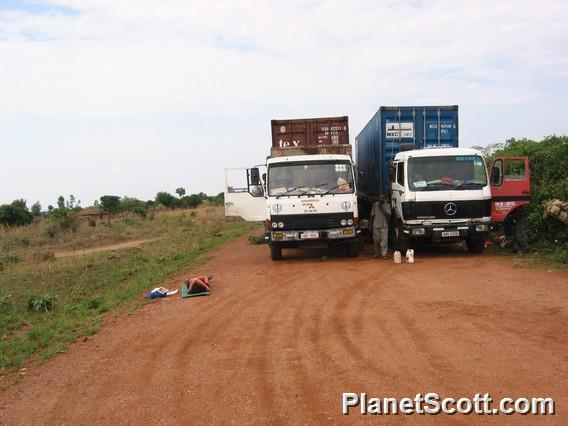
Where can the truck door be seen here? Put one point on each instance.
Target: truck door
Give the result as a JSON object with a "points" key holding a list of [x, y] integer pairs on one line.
{"points": [[244, 194], [510, 186], [397, 186]]}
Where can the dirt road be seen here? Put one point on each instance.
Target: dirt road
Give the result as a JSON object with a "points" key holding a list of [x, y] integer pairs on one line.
{"points": [[109, 247], [278, 342]]}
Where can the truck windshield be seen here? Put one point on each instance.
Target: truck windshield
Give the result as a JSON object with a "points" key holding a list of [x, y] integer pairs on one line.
{"points": [[446, 173], [310, 178]]}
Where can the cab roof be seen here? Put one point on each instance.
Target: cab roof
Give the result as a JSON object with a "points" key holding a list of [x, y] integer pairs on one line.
{"points": [[436, 152], [307, 158]]}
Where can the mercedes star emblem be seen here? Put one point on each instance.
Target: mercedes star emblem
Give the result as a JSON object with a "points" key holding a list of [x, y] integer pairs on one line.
{"points": [[450, 209]]}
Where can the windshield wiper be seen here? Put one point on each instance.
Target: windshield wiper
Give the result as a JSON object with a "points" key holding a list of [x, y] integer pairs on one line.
{"points": [[312, 187], [438, 185], [304, 192], [471, 184], [335, 187]]}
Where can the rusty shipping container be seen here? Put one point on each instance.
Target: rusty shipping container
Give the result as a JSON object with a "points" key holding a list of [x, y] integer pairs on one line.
{"points": [[325, 135]]}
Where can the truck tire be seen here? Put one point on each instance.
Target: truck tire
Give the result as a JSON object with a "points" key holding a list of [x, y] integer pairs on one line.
{"points": [[275, 252], [352, 249], [475, 245], [401, 242]]}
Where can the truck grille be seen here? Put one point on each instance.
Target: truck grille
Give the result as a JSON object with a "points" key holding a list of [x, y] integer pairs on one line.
{"points": [[435, 209], [299, 222]]}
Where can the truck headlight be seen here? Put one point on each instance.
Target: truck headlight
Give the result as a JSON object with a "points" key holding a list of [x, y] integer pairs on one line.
{"points": [[274, 225], [350, 222], [481, 228], [343, 222], [418, 231], [280, 225]]}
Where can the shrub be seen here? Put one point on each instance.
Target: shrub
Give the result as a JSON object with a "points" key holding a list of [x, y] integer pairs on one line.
{"points": [[5, 301], [10, 258], [15, 214], [256, 240], [43, 303], [167, 199], [61, 219], [134, 205]]}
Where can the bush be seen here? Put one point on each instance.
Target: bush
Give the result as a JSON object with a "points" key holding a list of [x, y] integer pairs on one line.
{"points": [[10, 258], [43, 303], [134, 205], [167, 199], [256, 240], [61, 219], [15, 214], [5, 301], [191, 201]]}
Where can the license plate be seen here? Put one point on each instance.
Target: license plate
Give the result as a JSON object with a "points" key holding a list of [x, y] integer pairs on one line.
{"points": [[308, 235], [450, 233]]}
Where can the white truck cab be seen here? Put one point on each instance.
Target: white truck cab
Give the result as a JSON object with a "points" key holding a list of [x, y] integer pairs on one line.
{"points": [[440, 195], [307, 201]]}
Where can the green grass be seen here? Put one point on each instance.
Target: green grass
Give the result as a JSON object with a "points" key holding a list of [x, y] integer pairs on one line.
{"points": [[47, 304], [538, 255]]}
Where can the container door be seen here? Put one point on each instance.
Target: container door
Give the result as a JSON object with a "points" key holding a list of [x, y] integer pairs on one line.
{"points": [[243, 196], [510, 185]]}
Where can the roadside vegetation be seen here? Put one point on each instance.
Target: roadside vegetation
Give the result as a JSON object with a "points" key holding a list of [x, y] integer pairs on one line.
{"points": [[48, 301], [547, 234]]}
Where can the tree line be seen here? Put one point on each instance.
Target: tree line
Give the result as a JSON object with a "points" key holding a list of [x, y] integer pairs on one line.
{"points": [[17, 213]]}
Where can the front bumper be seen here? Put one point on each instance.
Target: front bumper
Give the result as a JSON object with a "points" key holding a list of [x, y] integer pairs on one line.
{"points": [[332, 235], [446, 232]]}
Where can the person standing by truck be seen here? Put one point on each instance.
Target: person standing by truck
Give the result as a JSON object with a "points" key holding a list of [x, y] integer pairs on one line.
{"points": [[515, 227], [380, 216]]}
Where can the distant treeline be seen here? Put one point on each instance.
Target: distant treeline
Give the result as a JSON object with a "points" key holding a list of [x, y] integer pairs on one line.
{"points": [[17, 213]]}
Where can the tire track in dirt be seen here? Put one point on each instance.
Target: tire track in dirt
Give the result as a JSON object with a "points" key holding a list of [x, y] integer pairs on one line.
{"points": [[343, 327], [305, 376], [256, 352]]}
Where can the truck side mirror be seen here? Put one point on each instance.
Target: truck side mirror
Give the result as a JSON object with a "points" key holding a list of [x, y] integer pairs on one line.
{"points": [[254, 176], [255, 187]]}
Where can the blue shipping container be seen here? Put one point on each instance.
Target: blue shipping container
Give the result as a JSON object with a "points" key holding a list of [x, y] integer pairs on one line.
{"points": [[394, 128]]}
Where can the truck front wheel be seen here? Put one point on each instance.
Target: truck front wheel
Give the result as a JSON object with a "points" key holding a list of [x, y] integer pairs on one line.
{"points": [[475, 245], [400, 239], [352, 249], [275, 252]]}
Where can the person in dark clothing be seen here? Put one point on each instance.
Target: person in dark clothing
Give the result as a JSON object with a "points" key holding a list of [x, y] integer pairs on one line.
{"points": [[380, 216], [515, 228]]}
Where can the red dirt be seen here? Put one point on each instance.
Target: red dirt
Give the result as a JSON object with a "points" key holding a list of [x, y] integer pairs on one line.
{"points": [[278, 342]]}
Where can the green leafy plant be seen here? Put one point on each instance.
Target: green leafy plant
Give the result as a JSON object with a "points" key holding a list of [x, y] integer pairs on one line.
{"points": [[15, 214], [43, 303], [256, 240]]}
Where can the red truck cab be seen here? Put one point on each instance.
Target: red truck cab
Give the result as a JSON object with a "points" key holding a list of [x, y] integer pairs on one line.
{"points": [[510, 186]]}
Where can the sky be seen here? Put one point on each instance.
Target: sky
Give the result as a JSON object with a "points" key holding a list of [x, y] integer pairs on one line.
{"points": [[132, 97]]}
